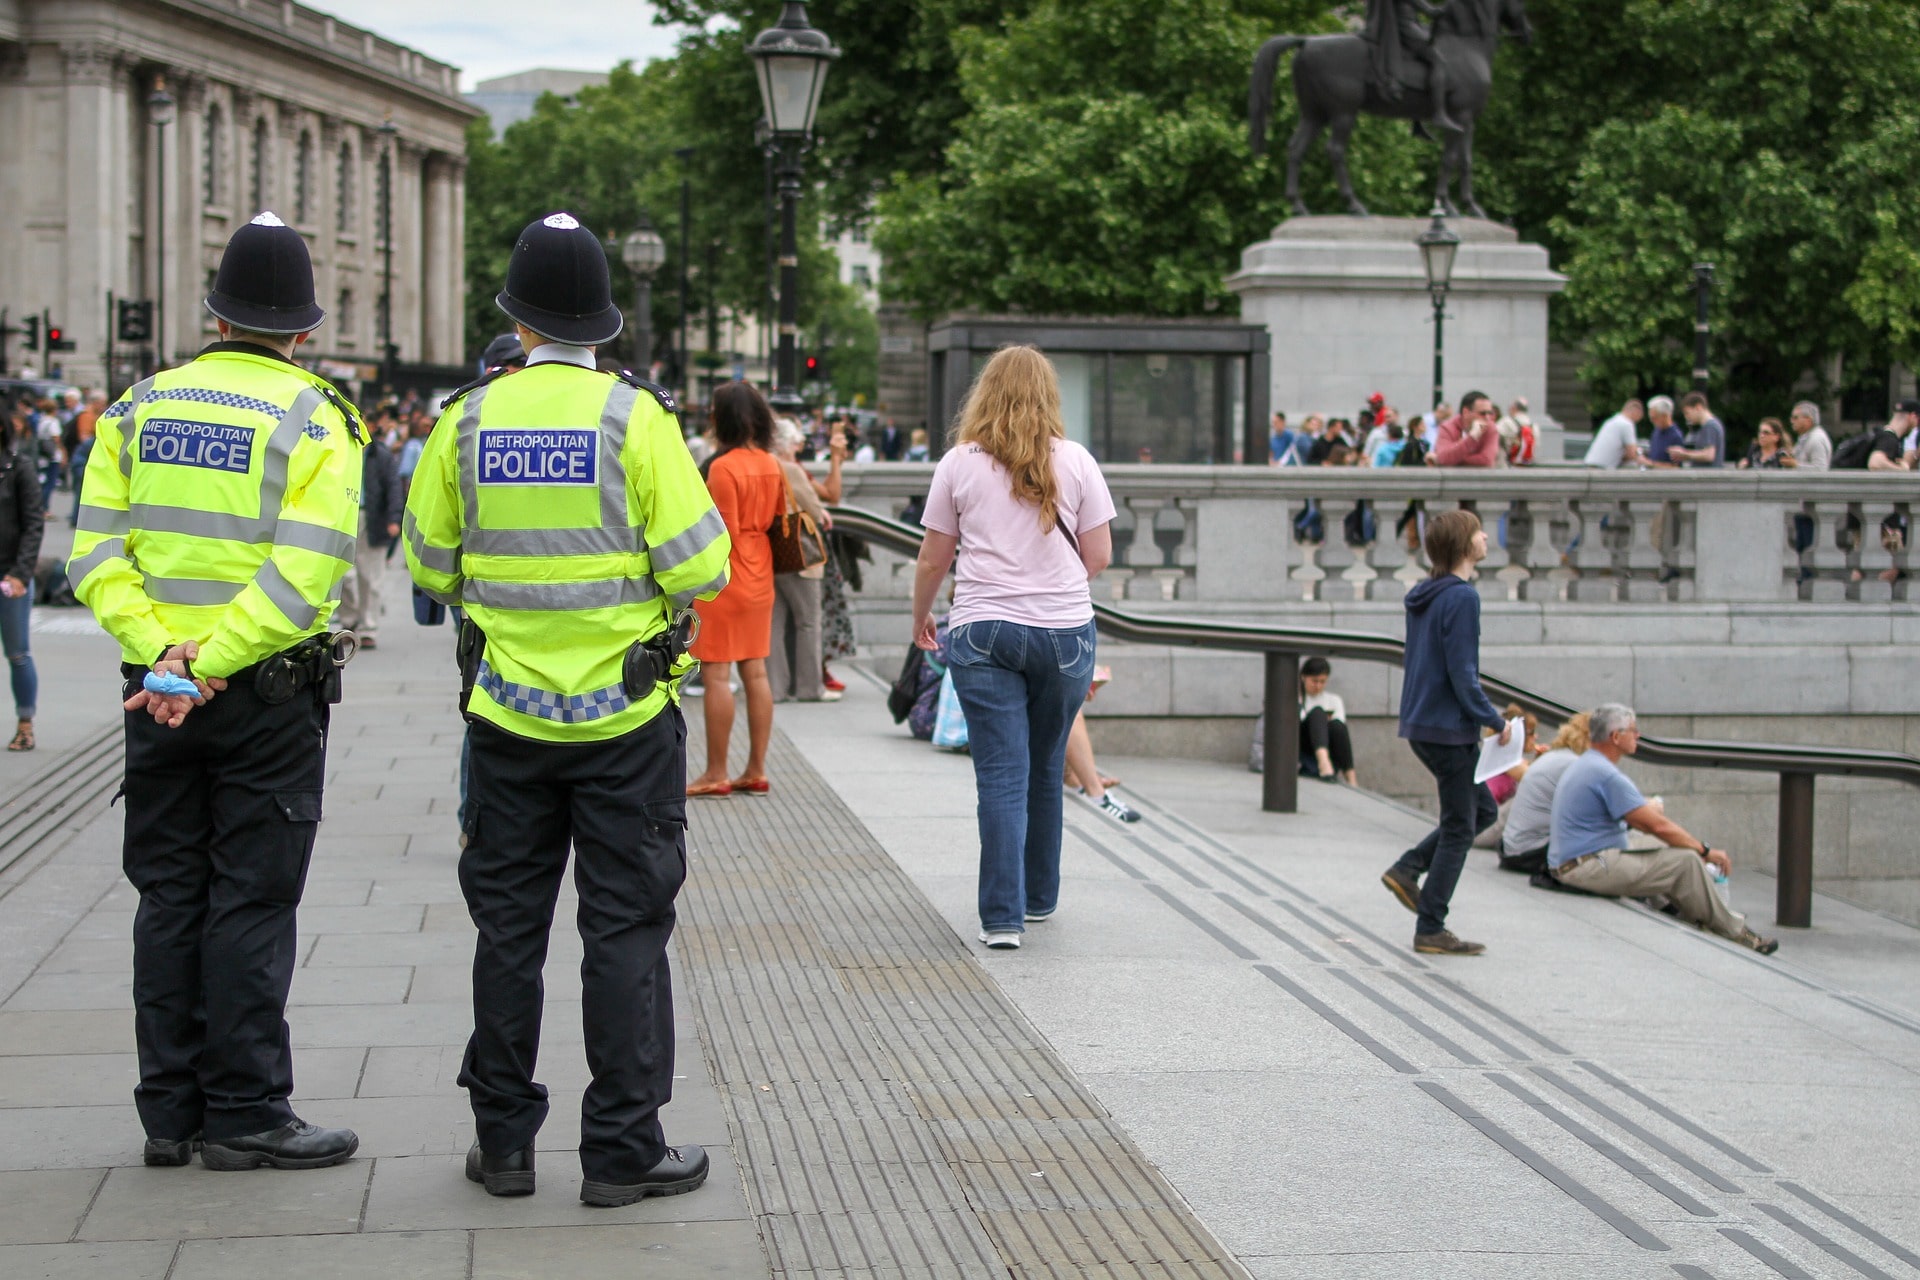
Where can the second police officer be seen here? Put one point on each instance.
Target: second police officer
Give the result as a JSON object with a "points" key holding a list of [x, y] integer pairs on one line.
{"points": [[558, 506], [217, 521]]}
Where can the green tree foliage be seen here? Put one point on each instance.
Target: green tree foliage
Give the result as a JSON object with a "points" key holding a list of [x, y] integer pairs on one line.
{"points": [[1773, 138], [892, 99], [613, 156], [1102, 166]]}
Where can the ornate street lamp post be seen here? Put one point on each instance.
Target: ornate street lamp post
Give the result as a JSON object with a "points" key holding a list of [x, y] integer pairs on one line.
{"points": [[390, 354], [643, 251], [1438, 247], [791, 59], [1702, 293], [160, 111]]}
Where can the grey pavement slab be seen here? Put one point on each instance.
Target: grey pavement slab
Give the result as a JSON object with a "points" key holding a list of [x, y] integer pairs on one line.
{"points": [[416, 1255], [432, 1193], [379, 1014], [122, 1260], [1238, 990], [656, 1250], [137, 1203], [44, 1206]]}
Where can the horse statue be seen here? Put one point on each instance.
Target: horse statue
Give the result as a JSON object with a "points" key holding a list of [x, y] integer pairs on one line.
{"points": [[1333, 82]]}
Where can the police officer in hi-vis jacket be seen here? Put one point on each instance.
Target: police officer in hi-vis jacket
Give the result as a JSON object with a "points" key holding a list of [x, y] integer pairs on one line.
{"points": [[559, 508], [217, 520]]}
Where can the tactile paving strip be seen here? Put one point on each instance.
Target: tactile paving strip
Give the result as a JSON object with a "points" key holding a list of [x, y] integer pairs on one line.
{"points": [[893, 1112]]}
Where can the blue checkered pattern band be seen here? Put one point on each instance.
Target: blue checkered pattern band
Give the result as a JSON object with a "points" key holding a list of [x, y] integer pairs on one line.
{"points": [[314, 431], [563, 708], [199, 396]]}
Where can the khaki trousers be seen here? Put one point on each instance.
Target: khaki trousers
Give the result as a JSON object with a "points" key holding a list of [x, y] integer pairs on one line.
{"points": [[1677, 874], [359, 609], [798, 599]]}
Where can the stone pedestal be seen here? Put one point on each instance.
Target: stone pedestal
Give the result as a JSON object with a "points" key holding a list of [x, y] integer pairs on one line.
{"points": [[1346, 302]]}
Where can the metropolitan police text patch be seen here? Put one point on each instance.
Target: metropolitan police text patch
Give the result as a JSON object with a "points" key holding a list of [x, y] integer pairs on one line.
{"points": [[539, 457], [213, 445]]}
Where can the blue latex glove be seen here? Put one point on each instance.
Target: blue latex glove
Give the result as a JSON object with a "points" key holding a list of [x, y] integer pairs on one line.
{"points": [[169, 685]]}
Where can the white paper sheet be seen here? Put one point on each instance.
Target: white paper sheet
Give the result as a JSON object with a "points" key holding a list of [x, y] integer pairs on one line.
{"points": [[1496, 759]]}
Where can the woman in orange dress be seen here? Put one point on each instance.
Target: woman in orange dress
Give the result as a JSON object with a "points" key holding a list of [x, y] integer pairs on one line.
{"points": [[736, 626]]}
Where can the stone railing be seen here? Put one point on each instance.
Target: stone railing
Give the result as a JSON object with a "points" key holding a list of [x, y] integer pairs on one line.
{"points": [[1219, 536]]}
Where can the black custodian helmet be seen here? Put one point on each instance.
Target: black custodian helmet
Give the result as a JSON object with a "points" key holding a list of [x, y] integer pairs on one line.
{"points": [[265, 282], [557, 283]]}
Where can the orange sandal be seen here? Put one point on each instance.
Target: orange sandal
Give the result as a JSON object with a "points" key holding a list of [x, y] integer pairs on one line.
{"points": [[715, 789], [752, 786]]}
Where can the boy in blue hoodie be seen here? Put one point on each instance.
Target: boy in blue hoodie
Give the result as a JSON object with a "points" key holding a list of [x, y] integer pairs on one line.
{"points": [[1442, 711]]}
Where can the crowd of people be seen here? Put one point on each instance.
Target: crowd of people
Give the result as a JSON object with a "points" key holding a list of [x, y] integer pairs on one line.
{"points": [[1478, 435]]}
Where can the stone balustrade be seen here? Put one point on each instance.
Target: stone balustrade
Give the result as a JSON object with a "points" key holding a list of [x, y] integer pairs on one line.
{"points": [[1243, 536]]}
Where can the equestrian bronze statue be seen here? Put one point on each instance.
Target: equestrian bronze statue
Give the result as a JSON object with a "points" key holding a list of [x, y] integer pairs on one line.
{"points": [[1438, 76]]}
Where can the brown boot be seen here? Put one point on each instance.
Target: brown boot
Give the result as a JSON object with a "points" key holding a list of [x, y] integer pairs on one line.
{"points": [[1444, 943]]}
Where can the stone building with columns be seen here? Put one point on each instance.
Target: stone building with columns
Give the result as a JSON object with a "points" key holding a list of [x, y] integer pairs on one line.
{"points": [[275, 106]]}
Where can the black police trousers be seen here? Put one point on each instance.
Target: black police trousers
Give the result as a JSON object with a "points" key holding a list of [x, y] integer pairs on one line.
{"points": [[221, 818], [621, 806]]}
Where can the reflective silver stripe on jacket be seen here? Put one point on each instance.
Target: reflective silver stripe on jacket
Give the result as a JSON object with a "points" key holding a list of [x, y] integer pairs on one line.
{"points": [[613, 440], [314, 537], [554, 542], [603, 593], [282, 532], [683, 599], [113, 547], [107, 520], [439, 559], [130, 402], [466, 443], [191, 591], [284, 595], [690, 542]]}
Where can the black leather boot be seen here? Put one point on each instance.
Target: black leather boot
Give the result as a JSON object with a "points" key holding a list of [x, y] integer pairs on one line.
{"points": [[164, 1153], [508, 1175], [679, 1171], [294, 1145]]}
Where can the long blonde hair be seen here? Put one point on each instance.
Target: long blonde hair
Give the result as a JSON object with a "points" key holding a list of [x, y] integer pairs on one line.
{"points": [[1013, 414], [1572, 736]]}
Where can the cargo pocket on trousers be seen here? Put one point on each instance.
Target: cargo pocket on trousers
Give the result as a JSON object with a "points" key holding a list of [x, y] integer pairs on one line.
{"points": [[663, 855], [283, 875]]}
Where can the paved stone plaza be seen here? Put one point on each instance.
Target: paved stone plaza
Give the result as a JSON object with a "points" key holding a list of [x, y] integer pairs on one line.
{"points": [[1219, 1056]]}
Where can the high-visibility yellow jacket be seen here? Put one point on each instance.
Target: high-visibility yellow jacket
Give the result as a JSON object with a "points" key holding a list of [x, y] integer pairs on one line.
{"points": [[559, 507], [220, 505]]}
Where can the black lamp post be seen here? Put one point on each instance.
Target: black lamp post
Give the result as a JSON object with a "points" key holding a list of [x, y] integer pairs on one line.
{"points": [[390, 354], [160, 111], [792, 60], [1702, 293], [643, 251], [1438, 247]]}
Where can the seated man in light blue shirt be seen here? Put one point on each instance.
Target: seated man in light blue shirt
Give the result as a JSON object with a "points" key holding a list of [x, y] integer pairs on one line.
{"points": [[1594, 806]]}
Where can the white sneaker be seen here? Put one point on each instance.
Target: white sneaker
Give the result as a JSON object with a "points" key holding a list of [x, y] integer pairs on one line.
{"points": [[1036, 917], [1109, 805], [831, 695], [1000, 939]]}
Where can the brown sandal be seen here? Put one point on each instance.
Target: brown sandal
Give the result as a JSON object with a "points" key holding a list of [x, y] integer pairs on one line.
{"points": [[22, 738]]}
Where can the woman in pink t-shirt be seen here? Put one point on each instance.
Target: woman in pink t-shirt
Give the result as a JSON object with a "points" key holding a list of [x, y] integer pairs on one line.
{"points": [[1028, 512]]}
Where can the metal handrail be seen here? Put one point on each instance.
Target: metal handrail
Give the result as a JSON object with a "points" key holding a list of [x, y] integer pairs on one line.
{"points": [[1284, 646]]}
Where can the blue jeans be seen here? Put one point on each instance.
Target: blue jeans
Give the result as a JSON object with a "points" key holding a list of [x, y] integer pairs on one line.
{"points": [[1466, 809], [1020, 687], [15, 612]]}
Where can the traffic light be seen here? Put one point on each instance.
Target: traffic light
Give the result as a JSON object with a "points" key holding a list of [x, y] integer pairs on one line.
{"points": [[135, 321], [31, 339], [813, 365], [56, 337]]}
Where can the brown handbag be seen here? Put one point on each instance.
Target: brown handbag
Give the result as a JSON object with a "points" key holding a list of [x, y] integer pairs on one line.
{"points": [[794, 538]]}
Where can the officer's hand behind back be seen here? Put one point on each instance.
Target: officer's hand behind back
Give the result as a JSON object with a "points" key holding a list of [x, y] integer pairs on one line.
{"points": [[171, 710]]}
